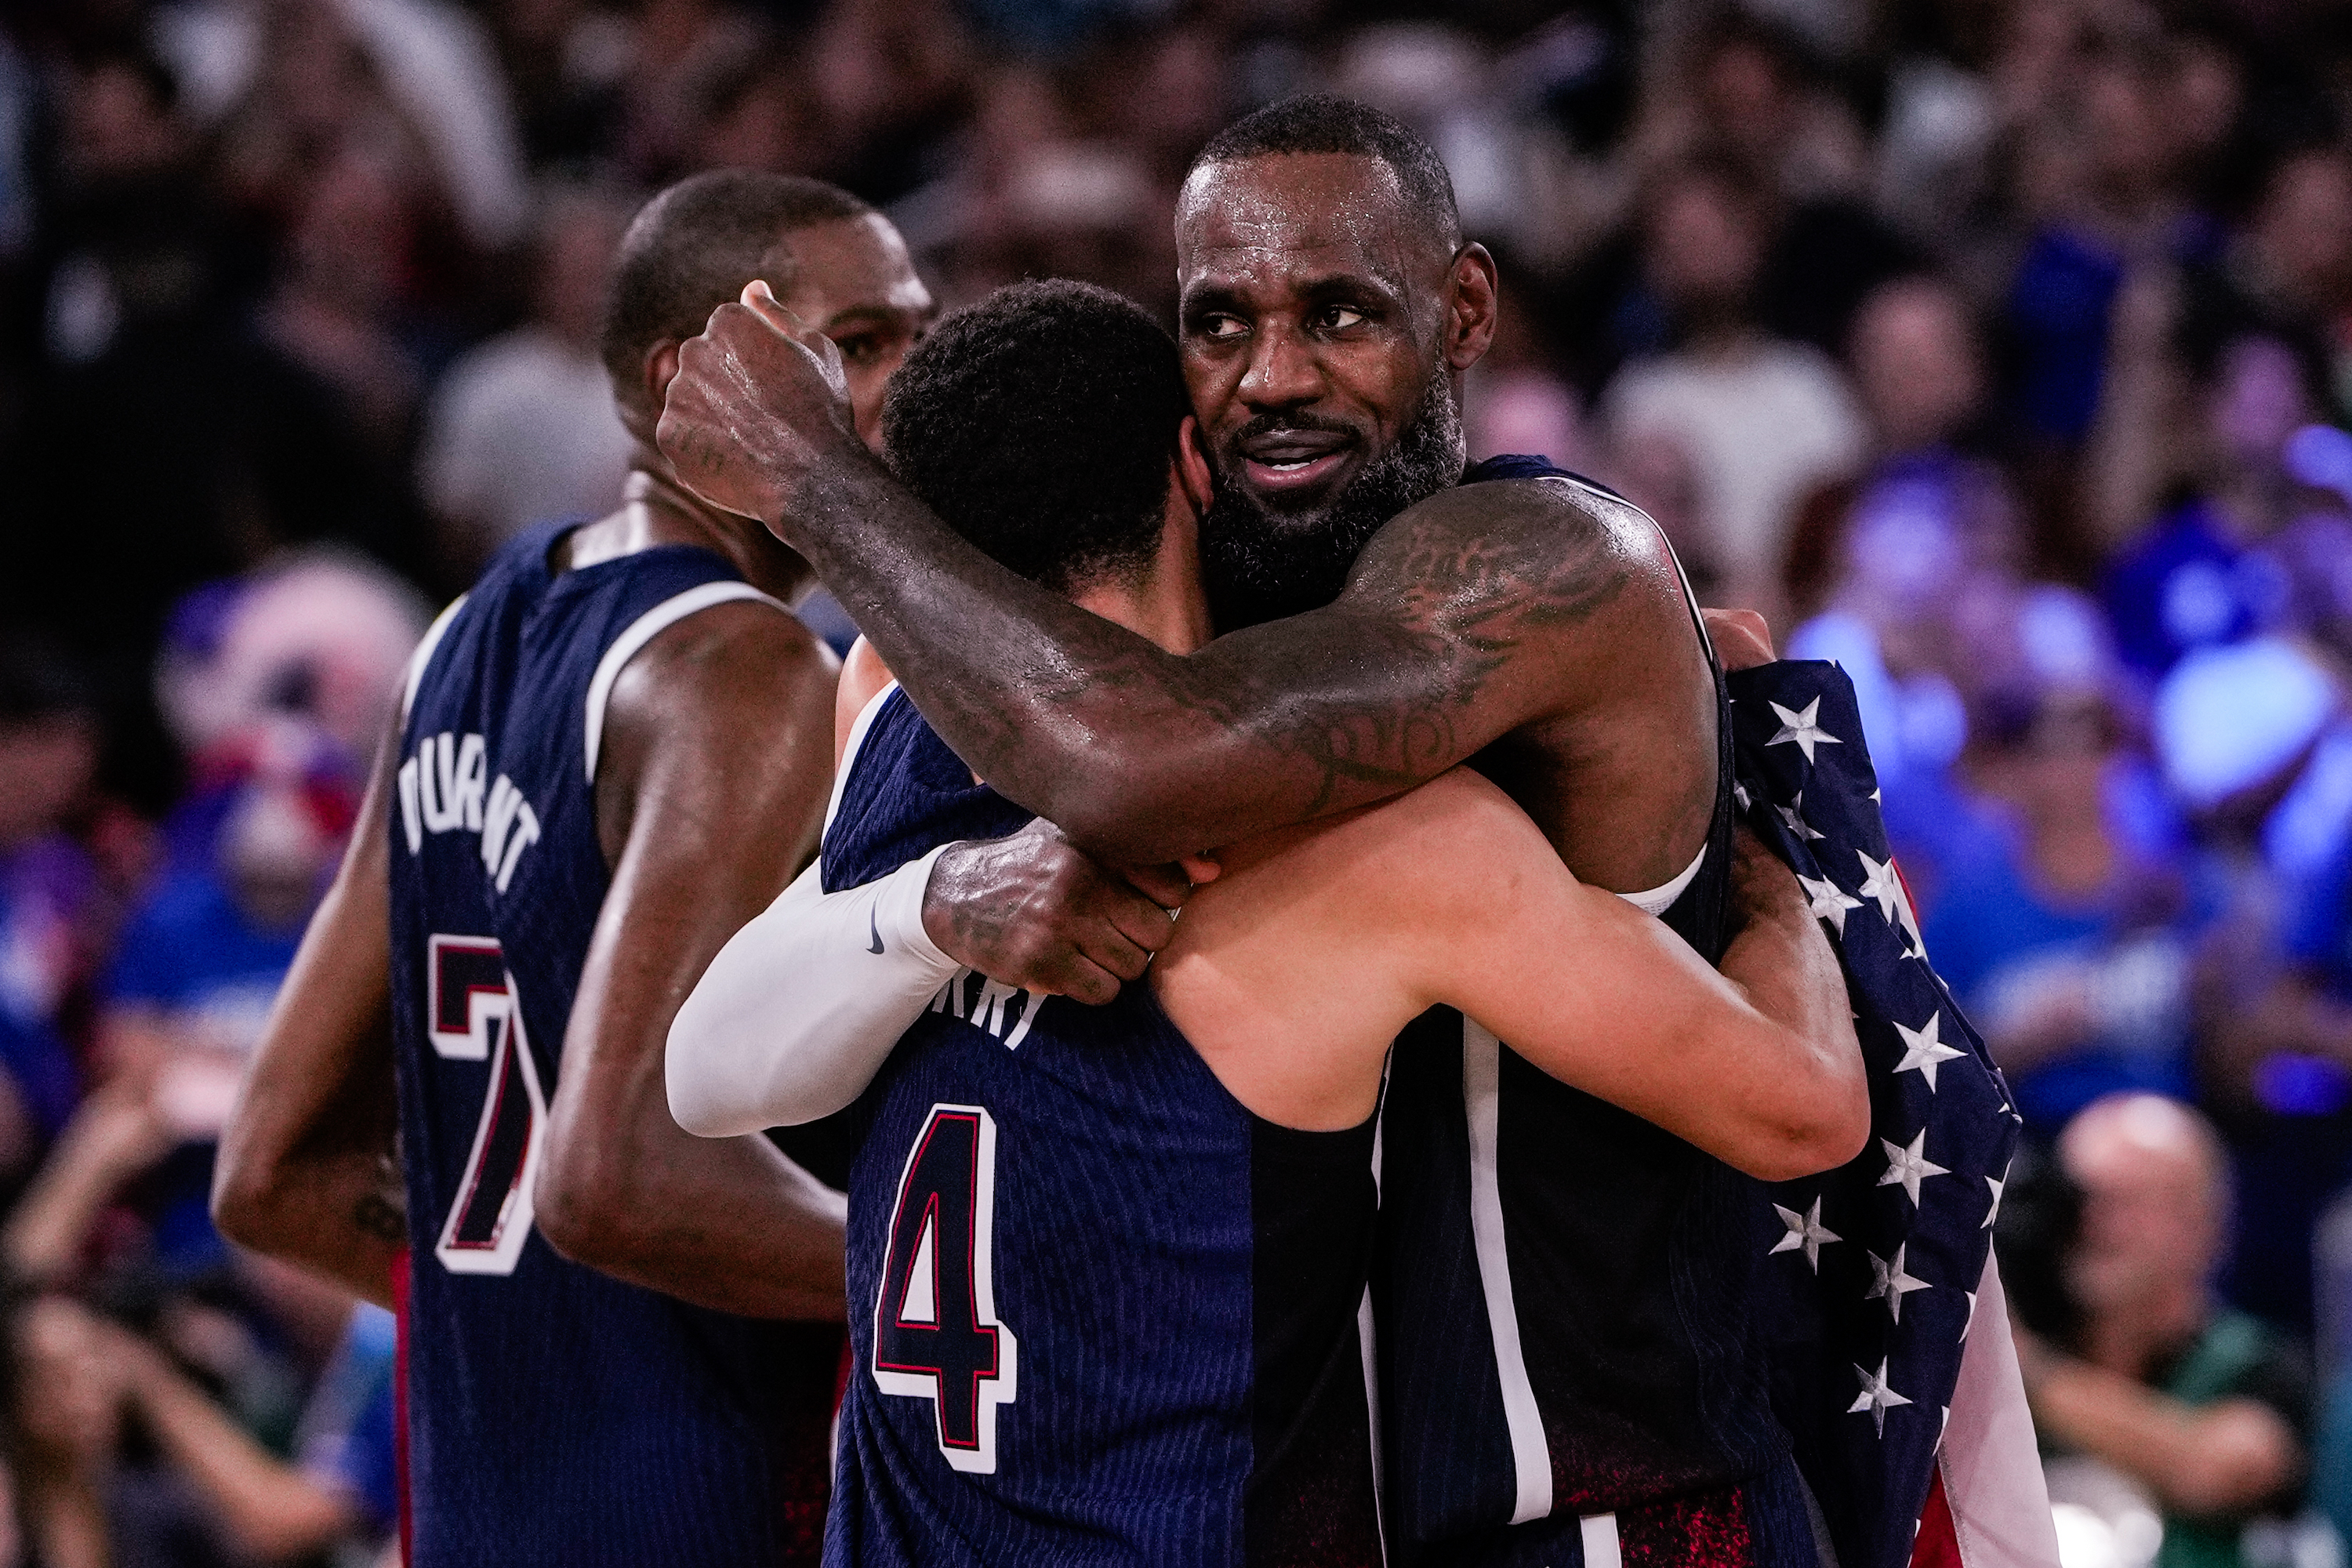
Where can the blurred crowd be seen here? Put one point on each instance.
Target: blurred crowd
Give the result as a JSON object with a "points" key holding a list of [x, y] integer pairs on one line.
{"points": [[1999, 350]]}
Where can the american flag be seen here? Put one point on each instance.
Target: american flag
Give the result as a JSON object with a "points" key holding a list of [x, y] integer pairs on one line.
{"points": [[1892, 1367]]}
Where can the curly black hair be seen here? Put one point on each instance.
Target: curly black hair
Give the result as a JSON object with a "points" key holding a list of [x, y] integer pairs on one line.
{"points": [[1319, 122], [695, 246], [1039, 425]]}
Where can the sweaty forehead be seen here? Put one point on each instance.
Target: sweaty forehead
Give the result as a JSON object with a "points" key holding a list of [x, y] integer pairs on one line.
{"points": [[1326, 212], [857, 263]]}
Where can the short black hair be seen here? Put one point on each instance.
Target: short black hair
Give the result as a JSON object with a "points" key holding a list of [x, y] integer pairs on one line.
{"points": [[1039, 425], [695, 246], [1320, 123]]}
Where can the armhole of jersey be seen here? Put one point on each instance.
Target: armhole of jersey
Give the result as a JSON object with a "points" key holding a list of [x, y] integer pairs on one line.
{"points": [[424, 656], [643, 630], [1682, 578], [1658, 900], [858, 728]]}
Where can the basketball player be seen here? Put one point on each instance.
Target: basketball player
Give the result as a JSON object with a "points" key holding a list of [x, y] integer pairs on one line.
{"points": [[1116, 1258], [609, 754], [1568, 1362]]}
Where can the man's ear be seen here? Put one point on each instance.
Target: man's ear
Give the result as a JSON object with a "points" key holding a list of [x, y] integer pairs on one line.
{"points": [[660, 366], [1470, 329], [1193, 465]]}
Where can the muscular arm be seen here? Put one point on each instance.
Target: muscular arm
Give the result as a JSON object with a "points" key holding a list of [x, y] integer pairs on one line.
{"points": [[2231, 1455], [710, 791], [1468, 616], [1295, 968], [307, 1170]]}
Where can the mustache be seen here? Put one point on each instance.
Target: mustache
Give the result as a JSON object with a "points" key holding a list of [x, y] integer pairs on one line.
{"points": [[1275, 423]]}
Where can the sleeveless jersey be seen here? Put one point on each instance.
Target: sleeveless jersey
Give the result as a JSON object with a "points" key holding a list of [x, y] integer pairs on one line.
{"points": [[556, 1415], [1099, 1312], [1562, 1293]]}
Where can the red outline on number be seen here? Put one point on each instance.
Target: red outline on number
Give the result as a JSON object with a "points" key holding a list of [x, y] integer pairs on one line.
{"points": [[937, 1375], [501, 1048], [479, 946]]}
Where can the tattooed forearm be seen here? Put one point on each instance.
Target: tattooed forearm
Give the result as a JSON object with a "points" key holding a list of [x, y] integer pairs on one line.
{"points": [[1461, 622]]}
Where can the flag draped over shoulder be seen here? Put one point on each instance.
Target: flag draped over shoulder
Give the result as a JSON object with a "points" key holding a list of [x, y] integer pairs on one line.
{"points": [[1876, 1288]]}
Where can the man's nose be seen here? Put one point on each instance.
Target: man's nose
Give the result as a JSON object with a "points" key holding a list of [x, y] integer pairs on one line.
{"points": [[1282, 372]]}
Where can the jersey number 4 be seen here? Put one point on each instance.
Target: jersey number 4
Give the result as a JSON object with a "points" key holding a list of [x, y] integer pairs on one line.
{"points": [[936, 1334], [472, 1015]]}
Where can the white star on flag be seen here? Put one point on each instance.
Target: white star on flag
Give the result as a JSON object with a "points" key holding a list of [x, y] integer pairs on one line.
{"points": [[1876, 1396], [1908, 1167], [1996, 1183], [1801, 730], [1793, 814], [1828, 900], [1922, 1049], [1890, 1283], [1879, 882], [1806, 1234], [1971, 1321]]}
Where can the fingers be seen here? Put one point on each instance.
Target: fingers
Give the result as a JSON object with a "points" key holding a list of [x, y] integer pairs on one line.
{"points": [[1742, 638], [1087, 982], [1165, 886]]}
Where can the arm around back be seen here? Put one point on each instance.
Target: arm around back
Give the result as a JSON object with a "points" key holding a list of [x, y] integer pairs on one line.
{"points": [[1758, 1065]]}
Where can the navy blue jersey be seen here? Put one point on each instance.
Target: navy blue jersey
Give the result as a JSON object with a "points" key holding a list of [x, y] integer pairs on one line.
{"points": [[556, 1415], [1562, 1295], [1099, 1312]]}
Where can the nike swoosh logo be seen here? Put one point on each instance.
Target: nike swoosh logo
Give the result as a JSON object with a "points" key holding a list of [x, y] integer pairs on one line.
{"points": [[876, 929]]}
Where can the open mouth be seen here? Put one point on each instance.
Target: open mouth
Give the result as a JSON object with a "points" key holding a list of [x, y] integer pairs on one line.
{"points": [[1287, 460]]}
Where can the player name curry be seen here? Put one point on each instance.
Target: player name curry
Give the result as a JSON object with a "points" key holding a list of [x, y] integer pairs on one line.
{"points": [[446, 788]]}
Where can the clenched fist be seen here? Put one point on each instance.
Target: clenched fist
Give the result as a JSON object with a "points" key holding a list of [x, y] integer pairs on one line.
{"points": [[758, 401], [1034, 911]]}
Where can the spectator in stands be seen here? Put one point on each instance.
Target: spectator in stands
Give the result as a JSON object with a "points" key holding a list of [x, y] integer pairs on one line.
{"points": [[2205, 1408], [522, 430], [1761, 420]]}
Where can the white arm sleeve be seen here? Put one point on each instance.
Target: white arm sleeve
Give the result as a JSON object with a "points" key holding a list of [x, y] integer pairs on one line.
{"points": [[802, 1007]]}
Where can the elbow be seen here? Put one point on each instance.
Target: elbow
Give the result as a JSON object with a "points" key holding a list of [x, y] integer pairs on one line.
{"points": [[1824, 1125], [581, 1207], [685, 1080], [246, 1199]]}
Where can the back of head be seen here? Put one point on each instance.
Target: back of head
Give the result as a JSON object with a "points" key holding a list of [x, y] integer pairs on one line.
{"points": [[695, 246], [1319, 122], [1039, 424]]}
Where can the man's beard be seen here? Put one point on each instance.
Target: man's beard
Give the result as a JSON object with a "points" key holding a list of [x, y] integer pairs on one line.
{"points": [[1260, 565]]}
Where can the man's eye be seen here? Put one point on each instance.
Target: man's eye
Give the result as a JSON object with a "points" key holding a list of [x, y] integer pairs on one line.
{"points": [[864, 348], [1222, 327], [1339, 317]]}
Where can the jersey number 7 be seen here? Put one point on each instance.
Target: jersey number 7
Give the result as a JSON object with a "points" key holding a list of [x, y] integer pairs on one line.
{"points": [[472, 1015], [936, 1335]]}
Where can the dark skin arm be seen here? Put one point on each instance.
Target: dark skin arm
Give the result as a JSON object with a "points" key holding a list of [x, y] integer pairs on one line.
{"points": [[1470, 615], [711, 793], [307, 1170]]}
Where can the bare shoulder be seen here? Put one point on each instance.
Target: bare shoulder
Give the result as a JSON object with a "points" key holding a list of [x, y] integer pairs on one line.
{"points": [[863, 674], [743, 665], [1543, 552]]}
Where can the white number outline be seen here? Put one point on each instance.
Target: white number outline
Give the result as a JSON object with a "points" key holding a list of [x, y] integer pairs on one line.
{"points": [[1004, 1388], [495, 1033]]}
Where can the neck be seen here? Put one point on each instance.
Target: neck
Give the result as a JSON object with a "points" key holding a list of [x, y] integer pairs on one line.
{"points": [[1165, 607], [656, 510], [2130, 1342]]}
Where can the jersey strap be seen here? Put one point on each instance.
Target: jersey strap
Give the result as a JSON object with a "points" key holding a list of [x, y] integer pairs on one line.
{"points": [[643, 630]]}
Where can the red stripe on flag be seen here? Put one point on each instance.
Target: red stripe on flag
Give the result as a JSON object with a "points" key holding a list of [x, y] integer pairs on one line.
{"points": [[1939, 1545]]}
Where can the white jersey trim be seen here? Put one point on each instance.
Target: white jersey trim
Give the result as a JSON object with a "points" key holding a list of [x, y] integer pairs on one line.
{"points": [[643, 630], [1601, 1546], [858, 728], [424, 655], [1482, 1066], [1658, 900]]}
